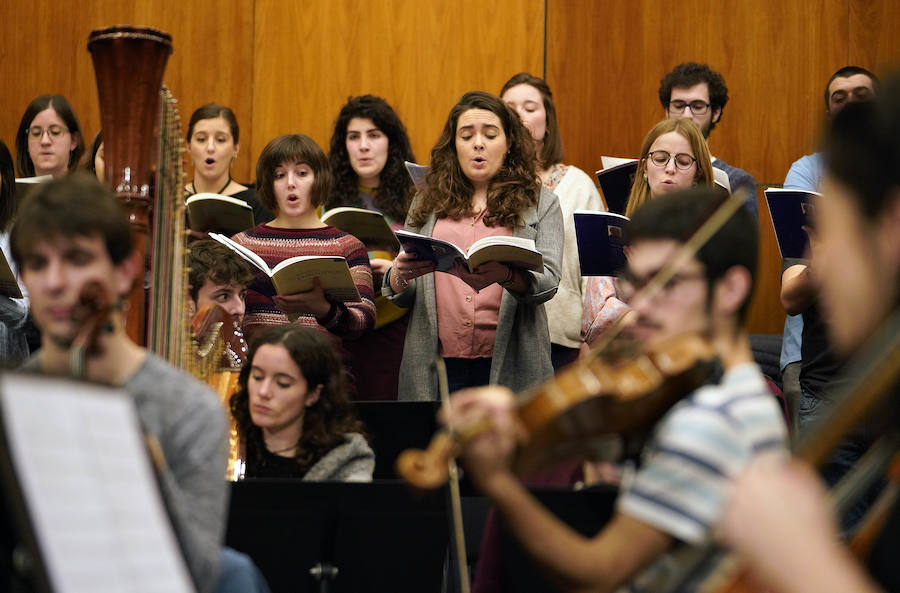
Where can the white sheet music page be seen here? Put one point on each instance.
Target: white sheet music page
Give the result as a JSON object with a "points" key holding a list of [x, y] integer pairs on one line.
{"points": [[92, 496]]}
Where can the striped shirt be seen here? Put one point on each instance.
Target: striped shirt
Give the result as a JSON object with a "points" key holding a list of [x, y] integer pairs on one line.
{"points": [[698, 448], [346, 320]]}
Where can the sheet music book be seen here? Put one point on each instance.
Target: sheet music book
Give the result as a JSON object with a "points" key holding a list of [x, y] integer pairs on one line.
{"points": [[77, 468], [417, 173], [601, 251], [615, 182], [791, 210]]}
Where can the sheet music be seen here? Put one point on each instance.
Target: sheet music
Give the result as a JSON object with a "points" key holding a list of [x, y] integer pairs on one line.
{"points": [[94, 503]]}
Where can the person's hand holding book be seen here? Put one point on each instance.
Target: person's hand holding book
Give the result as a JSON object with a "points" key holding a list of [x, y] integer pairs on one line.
{"points": [[311, 302]]}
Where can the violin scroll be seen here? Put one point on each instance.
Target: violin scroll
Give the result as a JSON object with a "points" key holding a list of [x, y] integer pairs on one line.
{"points": [[427, 469]]}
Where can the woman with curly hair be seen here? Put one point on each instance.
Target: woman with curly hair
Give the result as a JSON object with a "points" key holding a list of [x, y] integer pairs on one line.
{"points": [[292, 412], [531, 98], [489, 324], [368, 148]]}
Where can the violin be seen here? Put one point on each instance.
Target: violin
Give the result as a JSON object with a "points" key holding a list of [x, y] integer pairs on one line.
{"points": [[875, 374], [92, 310], [593, 408]]}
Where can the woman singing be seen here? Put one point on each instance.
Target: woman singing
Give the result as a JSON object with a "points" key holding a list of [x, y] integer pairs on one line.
{"points": [[489, 325]]}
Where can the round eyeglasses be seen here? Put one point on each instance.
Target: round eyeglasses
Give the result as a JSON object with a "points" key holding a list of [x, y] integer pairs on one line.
{"points": [[661, 158], [55, 131], [698, 107]]}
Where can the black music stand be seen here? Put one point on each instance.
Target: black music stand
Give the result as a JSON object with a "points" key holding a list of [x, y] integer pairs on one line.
{"points": [[395, 426], [379, 536], [586, 511]]}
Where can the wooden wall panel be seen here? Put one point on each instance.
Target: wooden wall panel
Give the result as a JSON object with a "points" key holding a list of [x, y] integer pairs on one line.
{"points": [[874, 42], [775, 58], [420, 56], [45, 51]]}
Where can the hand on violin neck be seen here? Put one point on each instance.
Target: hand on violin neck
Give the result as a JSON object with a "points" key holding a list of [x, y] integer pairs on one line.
{"points": [[487, 455]]}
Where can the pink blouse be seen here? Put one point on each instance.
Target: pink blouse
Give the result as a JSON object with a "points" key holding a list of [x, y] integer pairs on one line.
{"points": [[467, 320]]}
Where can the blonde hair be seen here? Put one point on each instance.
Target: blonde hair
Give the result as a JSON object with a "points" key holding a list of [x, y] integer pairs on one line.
{"points": [[640, 189]]}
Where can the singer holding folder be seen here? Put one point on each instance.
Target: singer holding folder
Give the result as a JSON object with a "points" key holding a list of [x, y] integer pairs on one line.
{"points": [[488, 324]]}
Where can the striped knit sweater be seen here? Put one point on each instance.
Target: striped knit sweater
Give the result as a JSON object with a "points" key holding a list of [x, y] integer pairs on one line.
{"points": [[345, 320]]}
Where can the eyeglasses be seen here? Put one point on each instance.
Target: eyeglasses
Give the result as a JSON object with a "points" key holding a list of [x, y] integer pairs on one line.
{"points": [[698, 107], [55, 131], [629, 285], [661, 158]]}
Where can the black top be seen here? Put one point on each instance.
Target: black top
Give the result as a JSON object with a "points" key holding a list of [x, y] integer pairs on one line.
{"points": [[271, 465], [820, 366], [261, 214]]}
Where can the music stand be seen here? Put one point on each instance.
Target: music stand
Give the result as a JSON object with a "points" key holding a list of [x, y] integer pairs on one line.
{"points": [[394, 426], [380, 536], [586, 511]]}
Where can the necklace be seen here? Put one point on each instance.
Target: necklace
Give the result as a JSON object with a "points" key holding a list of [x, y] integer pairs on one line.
{"points": [[227, 183], [285, 450]]}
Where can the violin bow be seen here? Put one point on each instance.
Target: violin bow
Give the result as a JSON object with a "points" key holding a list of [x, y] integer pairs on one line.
{"points": [[708, 226], [459, 538]]}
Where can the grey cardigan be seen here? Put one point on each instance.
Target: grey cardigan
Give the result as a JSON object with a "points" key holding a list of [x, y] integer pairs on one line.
{"points": [[522, 346], [351, 461]]}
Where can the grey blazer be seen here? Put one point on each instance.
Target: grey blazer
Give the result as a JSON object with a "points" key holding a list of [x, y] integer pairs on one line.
{"points": [[522, 346]]}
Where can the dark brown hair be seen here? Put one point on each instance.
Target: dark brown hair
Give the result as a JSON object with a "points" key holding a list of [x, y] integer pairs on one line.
{"points": [[210, 260], [515, 188], [7, 188], [77, 205], [552, 149], [325, 422], [395, 185], [87, 159], [688, 74], [212, 111], [24, 164], [291, 148]]}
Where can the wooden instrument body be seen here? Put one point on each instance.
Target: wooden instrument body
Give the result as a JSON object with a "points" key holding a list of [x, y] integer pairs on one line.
{"points": [[592, 409], [129, 63]]}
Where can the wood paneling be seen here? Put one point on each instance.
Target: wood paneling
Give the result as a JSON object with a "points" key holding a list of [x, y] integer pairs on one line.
{"points": [[874, 42], [288, 67], [775, 58], [45, 51], [420, 56]]}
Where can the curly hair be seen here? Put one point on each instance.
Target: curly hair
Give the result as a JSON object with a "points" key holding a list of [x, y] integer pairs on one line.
{"points": [[210, 260], [689, 74], [325, 422], [552, 149], [640, 189], [291, 148], [514, 188], [395, 186], [59, 104]]}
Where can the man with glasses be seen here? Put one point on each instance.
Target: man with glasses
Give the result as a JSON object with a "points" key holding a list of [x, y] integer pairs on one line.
{"points": [[698, 446], [695, 91]]}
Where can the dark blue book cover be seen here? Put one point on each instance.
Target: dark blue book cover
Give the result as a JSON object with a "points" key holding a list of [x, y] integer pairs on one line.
{"points": [[791, 210], [615, 183], [442, 253], [601, 251]]}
